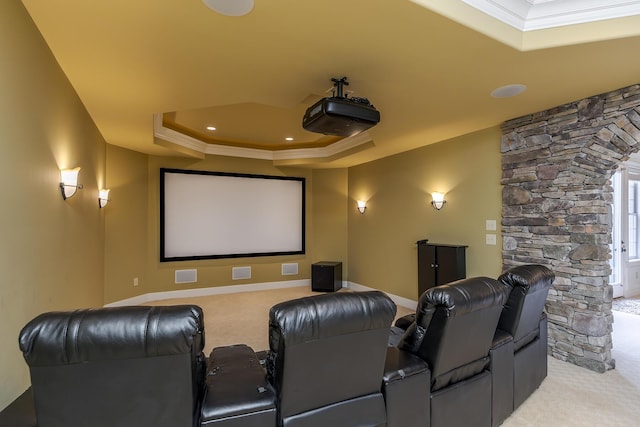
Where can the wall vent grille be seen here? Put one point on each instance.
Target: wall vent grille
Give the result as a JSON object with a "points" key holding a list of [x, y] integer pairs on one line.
{"points": [[238, 273], [187, 276]]}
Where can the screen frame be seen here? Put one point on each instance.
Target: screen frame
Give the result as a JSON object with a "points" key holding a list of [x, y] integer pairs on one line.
{"points": [[205, 256]]}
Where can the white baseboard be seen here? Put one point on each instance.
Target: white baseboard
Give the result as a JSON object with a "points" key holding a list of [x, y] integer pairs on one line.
{"points": [[203, 292], [404, 302], [232, 289]]}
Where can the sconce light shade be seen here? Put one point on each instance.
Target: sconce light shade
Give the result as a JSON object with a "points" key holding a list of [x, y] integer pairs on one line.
{"points": [[69, 182], [103, 198], [362, 206], [437, 200]]}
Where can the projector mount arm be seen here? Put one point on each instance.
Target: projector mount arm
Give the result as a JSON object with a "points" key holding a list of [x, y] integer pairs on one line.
{"points": [[338, 91], [338, 85]]}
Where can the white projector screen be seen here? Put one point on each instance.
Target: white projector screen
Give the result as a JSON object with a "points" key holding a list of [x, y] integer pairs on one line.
{"points": [[205, 215]]}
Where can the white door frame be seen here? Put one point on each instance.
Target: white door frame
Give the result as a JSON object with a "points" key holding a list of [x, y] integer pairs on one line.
{"points": [[618, 250], [629, 274]]}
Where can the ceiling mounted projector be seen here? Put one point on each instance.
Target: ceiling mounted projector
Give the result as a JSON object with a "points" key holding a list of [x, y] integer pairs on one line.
{"points": [[340, 115]]}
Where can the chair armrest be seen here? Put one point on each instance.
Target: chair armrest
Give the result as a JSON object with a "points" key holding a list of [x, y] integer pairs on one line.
{"points": [[237, 392], [502, 366], [405, 385], [405, 321], [400, 364], [395, 336]]}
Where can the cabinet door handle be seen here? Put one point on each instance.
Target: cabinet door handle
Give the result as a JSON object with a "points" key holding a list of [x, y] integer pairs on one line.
{"points": [[434, 265]]}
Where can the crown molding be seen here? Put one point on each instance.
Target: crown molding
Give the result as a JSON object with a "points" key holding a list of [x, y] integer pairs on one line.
{"points": [[539, 24], [190, 143], [530, 15]]}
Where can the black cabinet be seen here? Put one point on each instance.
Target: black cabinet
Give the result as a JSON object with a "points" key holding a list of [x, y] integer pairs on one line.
{"points": [[326, 276], [439, 264]]}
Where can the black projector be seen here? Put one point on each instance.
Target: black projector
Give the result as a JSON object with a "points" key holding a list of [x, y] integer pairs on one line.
{"points": [[340, 115]]}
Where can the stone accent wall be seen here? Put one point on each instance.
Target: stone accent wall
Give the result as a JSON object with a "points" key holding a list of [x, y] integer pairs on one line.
{"points": [[556, 211]]}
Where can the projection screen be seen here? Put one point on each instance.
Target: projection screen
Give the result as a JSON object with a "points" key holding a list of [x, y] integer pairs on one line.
{"points": [[206, 215]]}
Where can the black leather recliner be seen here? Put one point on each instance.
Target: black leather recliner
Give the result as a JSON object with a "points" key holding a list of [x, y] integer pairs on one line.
{"points": [[327, 357], [519, 352], [126, 366], [453, 331]]}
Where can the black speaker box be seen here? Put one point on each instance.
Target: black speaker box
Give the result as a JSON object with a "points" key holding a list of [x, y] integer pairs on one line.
{"points": [[326, 276]]}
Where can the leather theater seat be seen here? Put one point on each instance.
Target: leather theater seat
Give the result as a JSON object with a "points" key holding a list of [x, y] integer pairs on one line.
{"points": [[327, 357], [125, 366], [453, 332], [522, 335]]}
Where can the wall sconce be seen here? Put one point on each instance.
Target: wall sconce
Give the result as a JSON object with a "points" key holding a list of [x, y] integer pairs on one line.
{"points": [[103, 198], [362, 206], [437, 200], [69, 182]]}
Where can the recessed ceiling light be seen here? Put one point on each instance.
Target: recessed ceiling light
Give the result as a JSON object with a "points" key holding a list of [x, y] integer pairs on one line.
{"points": [[508, 91], [289, 138], [211, 128], [230, 7]]}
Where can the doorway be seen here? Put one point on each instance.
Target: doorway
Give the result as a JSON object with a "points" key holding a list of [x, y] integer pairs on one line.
{"points": [[625, 241]]}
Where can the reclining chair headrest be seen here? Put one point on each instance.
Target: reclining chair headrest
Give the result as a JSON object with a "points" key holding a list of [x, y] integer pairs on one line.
{"points": [[464, 296], [61, 338], [341, 313], [532, 277]]}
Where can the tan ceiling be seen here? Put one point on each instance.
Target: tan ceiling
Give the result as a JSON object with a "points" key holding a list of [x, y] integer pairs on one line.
{"points": [[428, 73]]}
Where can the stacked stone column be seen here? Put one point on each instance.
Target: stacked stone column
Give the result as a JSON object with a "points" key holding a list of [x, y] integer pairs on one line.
{"points": [[556, 211]]}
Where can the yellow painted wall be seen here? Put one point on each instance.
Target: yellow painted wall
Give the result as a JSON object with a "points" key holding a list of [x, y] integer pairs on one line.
{"points": [[382, 242], [329, 217], [51, 250], [126, 223]]}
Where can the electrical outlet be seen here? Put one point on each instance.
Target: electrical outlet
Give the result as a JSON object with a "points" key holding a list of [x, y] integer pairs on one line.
{"points": [[491, 239], [135, 281]]}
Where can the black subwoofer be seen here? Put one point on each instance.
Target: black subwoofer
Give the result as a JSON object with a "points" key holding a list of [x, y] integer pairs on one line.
{"points": [[326, 276]]}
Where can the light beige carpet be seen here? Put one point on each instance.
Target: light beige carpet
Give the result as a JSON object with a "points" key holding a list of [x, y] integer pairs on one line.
{"points": [[243, 318], [569, 396], [574, 396]]}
